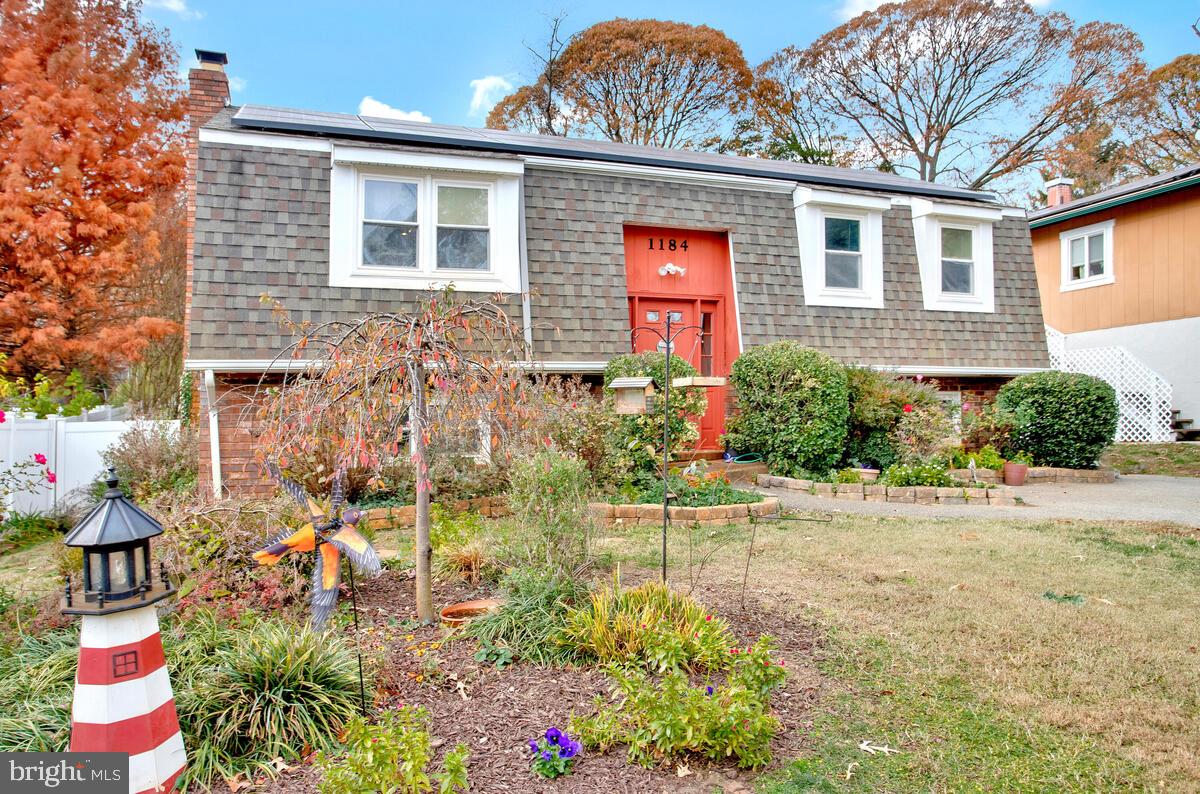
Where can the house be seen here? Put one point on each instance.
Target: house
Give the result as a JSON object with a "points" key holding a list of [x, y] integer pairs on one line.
{"points": [[1119, 276], [338, 215]]}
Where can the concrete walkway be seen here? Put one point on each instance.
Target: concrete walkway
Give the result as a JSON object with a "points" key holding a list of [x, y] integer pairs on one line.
{"points": [[1133, 497]]}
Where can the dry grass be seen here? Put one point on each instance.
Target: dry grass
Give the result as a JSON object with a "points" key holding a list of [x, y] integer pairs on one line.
{"points": [[1173, 460], [962, 602]]}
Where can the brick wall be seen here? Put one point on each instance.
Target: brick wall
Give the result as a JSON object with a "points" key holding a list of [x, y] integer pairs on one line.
{"points": [[208, 93], [236, 403]]}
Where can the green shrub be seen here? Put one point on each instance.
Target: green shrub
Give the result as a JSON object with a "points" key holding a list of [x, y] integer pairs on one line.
{"points": [[391, 756], [638, 438], [569, 418], [1061, 418], [902, 475], [549, 492], [988, 425], [19, 530], [877, 401], [792, 407], [986, 458], [69, 397], [650, 626], [666, 718], [924, 432], [535, 609], [691, 491], [267, 691]]}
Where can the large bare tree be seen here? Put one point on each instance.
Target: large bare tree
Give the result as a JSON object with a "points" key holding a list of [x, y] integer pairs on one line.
{"points": [[638, 81], [967, 91]]}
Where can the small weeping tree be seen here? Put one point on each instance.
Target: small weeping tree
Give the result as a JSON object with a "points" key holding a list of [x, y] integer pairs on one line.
{"points": [[382, 386]]}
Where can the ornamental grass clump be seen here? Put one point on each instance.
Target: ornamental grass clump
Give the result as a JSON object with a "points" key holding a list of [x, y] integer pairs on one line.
{"points": [[554, 753], [662, 719], [535, 609], [649, 626]]}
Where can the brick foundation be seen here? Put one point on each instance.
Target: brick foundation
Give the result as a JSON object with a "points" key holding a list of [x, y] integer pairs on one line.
{"points": [[241, 474]]}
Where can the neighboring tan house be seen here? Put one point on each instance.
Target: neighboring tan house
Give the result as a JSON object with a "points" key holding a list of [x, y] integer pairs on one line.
{"points": [[1119, 275], [338, 215]]}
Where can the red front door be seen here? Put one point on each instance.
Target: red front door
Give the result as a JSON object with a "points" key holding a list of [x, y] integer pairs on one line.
{"points": [[700, 297]]}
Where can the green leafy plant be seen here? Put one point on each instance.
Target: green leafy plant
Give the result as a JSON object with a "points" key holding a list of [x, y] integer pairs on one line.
{"points": [[638, 438], [45, 396], [568, 417], [877, 400], [848, 476], [1062, 418], [650, 626], [490, 654], [152, 458], [554, 753], [986, 458], [535, 608], [549, 493], [391, 755], [987, 425], [19, 530], [668, 717], [792, 407], [924, 432], [699, 490], [1022, 457], [902, 475]]}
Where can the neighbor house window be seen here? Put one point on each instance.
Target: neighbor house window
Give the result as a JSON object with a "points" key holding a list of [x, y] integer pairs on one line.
{"points": [[958, 261], [1087, 256], [841, 247], [419, 221], [843, 253]]}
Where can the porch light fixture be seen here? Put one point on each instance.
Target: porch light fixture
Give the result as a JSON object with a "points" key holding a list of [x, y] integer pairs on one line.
{"points": [[671, 269]]}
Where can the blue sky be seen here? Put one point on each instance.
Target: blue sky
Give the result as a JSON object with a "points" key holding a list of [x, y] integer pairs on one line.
{"points": [[449, 61]]}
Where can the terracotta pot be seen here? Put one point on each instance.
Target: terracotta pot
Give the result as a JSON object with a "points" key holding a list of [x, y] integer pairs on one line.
{"points": [[460, 613], [1014, 473], [868, 475]]}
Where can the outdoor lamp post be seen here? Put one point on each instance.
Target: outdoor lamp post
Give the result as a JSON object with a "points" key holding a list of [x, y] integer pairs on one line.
{"points": [[123, 701]]}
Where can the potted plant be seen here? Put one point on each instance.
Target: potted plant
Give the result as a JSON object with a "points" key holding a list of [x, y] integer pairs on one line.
{"points": [[1017, 468]]}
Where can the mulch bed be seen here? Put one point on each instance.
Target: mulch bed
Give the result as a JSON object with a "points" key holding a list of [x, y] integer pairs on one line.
{"points": [[496, 712]]}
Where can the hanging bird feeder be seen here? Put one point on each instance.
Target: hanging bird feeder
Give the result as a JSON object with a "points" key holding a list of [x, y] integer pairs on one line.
{"points": [[632, 394]]}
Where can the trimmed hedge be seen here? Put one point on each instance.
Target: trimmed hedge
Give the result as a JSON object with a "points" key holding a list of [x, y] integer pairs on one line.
{"points": [[793, 406], [1062, 419]]}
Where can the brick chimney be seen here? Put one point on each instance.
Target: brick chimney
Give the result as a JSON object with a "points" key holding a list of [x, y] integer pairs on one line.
{"points": [[208, 93], [1058, 191]]}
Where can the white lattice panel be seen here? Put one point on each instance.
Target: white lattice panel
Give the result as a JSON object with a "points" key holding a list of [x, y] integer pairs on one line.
{"points": [[1143, 396]]}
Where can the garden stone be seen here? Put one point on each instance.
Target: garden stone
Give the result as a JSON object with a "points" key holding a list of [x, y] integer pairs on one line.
{"points": [[900, 492], [949, 492], [823, 488], [850, 487], [925, 494], [1002, 501], [626, 511], [765, 481], [851, 496], [952, 500], [650, 511]]}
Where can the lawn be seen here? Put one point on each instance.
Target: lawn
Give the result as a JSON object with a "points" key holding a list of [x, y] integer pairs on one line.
{"points": [[940, 642], [1172, 460]]}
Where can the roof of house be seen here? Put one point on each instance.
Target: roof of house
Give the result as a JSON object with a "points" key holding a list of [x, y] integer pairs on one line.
{"points": [[346, 125], [1121, 194]]}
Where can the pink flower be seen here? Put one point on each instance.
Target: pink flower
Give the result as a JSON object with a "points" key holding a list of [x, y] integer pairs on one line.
{"points": [[920, 378], [908, 409], [1, 416], [51, 477], [40, 459], [966, 407]]}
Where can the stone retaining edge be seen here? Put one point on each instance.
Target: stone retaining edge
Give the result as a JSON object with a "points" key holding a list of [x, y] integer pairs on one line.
{"points": [[1000, 495]]}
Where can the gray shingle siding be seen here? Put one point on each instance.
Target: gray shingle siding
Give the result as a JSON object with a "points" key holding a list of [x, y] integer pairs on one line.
{"points": [[262, 226]]}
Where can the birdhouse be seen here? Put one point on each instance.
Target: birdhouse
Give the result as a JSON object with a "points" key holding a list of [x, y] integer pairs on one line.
{"points": [[123, 701], [631, 394]]}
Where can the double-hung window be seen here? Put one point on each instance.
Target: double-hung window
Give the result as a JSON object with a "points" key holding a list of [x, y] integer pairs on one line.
{"points": [[841, 247], [843, 253], [1087, 256], [958, 260], [405, 220]]}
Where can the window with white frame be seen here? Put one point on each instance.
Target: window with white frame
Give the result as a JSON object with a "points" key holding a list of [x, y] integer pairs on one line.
{"points": [[402, 220], [958, 259], [1087, 256], [841, 247], [954, 255]]}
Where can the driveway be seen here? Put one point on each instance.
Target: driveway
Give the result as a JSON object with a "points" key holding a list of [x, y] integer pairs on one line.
{"points": [[1133, 497]]}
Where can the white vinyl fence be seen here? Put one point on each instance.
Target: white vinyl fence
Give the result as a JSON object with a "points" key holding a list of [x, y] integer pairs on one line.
{"points": [[1143, 396], [72, 446]]}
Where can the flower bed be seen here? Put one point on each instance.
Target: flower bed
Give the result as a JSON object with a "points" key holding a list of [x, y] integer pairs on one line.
{"points": [[1000, 495], [716, 515]]}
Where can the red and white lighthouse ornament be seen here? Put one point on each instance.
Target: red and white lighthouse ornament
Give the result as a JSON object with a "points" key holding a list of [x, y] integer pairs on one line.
{"points": [[123, 701]]}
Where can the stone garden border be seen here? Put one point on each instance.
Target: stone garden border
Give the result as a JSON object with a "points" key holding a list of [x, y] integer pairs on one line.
{"points": [[609, 515], [406, 515], [999, 495], [1040, 474]]}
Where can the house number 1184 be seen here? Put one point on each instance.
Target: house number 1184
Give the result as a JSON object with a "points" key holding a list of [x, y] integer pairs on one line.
{"points": [[670, 245]]}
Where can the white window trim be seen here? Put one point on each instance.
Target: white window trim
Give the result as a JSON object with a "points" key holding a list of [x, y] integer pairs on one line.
{"points": [[353, 165], [1109, 276], [812, 207], [928, 219]]}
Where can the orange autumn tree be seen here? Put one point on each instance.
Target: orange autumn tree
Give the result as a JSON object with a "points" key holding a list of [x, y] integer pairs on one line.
{"points": [[377, 389], [640, 81], [90, 106]]}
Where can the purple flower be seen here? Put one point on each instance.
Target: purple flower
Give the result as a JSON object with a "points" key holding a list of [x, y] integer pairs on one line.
{"points": [[553, 735], [533, 745], [708, 690], [570, 749], [547, 755]]}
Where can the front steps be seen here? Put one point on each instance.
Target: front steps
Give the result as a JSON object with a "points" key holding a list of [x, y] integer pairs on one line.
{"points": [[1184, 431]]}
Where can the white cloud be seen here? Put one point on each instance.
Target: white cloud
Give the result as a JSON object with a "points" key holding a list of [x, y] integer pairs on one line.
{"points": [[849, 9], [179, 7], [237, 83], [373, 107], [488, 91]]}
